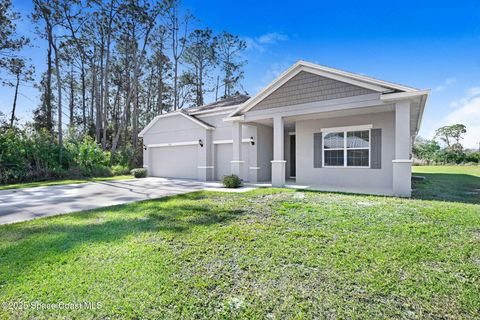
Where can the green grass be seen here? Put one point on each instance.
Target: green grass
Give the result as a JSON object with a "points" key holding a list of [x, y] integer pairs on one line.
{"points": [[449, 183], [268, 253], [60, 182]]}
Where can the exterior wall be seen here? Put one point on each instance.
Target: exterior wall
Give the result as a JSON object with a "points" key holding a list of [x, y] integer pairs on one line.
{"points": [[307, 87], [363, 180], [178, 129], [222, 132], [172, 129]]}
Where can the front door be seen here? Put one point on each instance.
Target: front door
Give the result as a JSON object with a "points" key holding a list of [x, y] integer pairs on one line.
{"points": [[292, 156]]}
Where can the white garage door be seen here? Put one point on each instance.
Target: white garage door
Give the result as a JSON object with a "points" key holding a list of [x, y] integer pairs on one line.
{"points": [[174, 162]]}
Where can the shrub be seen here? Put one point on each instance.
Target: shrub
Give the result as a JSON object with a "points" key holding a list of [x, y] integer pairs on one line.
{"points": [[139, 173], [232, 181], [120, 170], [101, 171], [91, 158]]}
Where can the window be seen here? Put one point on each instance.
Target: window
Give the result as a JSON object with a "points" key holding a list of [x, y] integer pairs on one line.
{"points": [[346, 148]]}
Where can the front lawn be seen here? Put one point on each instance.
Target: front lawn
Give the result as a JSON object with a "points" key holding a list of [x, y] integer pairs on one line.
{"points": [[267, 253], [60, 182], [449, 183]]}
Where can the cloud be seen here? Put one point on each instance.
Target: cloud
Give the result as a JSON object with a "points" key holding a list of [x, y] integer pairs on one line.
{"points": [[262, 42], [272, 38], [467, 113], [445, 84], [470, 93]]}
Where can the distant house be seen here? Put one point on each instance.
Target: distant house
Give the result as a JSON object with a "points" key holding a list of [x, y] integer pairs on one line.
{"points": [[321, 127]]}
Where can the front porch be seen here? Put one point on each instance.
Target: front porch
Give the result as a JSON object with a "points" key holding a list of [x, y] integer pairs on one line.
{"points": [[300, 156]]}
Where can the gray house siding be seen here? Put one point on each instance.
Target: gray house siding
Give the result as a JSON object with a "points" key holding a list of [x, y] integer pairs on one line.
{"points": [[346, 179], [307, 87]]}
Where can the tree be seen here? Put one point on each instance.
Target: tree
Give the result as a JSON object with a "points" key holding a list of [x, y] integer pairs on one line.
{"points": [[22, 73], [10, 42], [200, 58], [426, 150], [449, 133], [49, 12], [162, 66], [229, 50], [177, 26]]}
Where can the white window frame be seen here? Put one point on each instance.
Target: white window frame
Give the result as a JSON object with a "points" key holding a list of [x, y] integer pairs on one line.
{"points": [[325, 131]]}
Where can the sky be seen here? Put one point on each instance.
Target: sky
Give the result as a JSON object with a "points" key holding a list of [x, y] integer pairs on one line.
{"points": [[423, 44]]}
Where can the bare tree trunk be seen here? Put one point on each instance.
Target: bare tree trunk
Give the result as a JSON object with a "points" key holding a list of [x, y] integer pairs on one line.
{"points": [[200, 101], [135, 123], [59, 93], [92, 90], [17, 83], [159, 103], [48, 94], [100, 111], [72, 98], [84, 115], [106, 78]]}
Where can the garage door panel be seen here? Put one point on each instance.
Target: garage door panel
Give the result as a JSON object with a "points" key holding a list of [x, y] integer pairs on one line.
{"points": [[174, 162]]}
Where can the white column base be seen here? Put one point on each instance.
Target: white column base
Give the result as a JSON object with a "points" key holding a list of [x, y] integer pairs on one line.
{"points": [[205, 173], [402, 177], [237, 168], [278, 173]]}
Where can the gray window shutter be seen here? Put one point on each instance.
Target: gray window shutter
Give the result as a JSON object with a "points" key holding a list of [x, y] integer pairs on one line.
{"points": [[317, 150], [376, 149]]}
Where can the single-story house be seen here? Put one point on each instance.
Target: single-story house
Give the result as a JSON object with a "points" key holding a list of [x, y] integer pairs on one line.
{"points": [[315, 126]]}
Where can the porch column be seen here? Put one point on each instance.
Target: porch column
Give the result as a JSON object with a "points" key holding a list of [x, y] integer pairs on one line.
{"points": [[278, 163], [237, 162], [402, 164]]}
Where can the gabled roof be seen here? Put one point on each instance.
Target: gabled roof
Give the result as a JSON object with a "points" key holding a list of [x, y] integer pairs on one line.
{"points": [[343, 76], [182, 113], [220, 104]]}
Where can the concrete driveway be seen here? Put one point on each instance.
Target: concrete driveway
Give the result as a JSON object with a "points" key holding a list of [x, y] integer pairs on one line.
{"points": [[29, 203]]}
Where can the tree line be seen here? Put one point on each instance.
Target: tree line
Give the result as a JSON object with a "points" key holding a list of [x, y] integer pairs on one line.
{"points": [[429, 151], [112, 66]]}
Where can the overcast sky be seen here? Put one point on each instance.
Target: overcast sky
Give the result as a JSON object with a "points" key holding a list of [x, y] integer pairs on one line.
{"points": [[424, 44]]}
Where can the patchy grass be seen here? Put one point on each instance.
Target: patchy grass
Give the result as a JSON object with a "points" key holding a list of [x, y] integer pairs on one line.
{"points": [[267, 253], [60, 182], [449, 183]]}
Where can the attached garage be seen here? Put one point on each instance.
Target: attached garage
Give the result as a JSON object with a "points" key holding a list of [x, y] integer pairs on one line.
{"points": [[174, 162]]}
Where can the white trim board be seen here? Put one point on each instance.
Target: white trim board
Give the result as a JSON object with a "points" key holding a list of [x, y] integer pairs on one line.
{"points": [[229, 141], [173, 144], [348, 128]]}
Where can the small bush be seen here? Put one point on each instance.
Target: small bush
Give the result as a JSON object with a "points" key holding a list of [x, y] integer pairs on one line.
{"points": [[232, 181], [139, 173], [101, 171], [120, 170]]}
